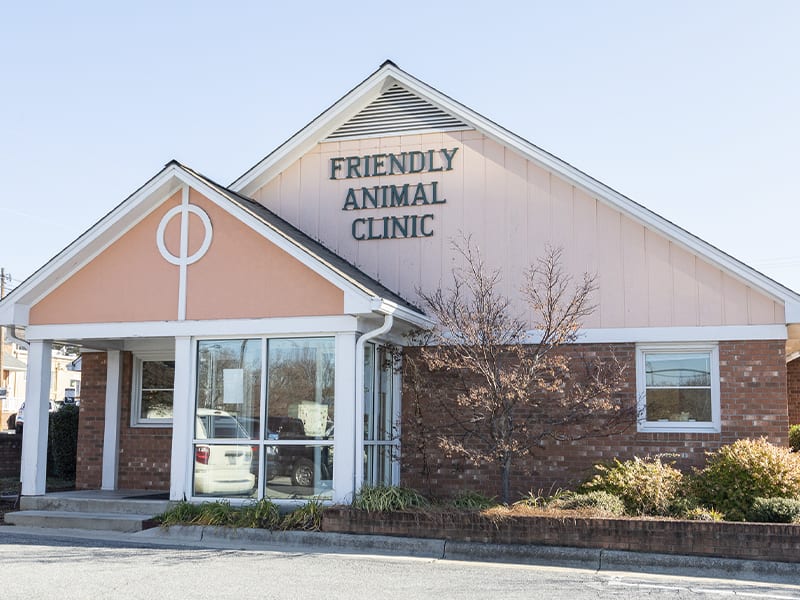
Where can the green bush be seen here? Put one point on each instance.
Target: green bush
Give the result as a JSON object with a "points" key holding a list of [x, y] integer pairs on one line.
{"points": [[599, 501], [794, 438], [62, 442], [388, 498], [647, 486], [775, 510], [737, 474]]}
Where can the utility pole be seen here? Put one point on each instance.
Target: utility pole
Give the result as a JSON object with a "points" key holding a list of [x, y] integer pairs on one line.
{"points": [[2, 334]]}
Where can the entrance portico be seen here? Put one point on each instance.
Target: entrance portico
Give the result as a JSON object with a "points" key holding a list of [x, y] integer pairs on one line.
{"points": [[193, 386]]}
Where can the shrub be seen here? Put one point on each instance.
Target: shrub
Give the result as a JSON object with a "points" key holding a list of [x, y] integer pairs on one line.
{"points": [[737, 474], [306, 518], [775, 510], [262, 514], [472, 501], [62, 443], [388, 498], [794, 438], [181, 513], [599, 501], [647, 486]]}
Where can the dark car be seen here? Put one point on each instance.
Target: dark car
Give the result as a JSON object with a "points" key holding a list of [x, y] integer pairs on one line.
{"points": [[289, 460]]}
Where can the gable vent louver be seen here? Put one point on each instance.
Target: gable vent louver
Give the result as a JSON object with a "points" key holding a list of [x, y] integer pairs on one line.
{"points": [[397, 111]]}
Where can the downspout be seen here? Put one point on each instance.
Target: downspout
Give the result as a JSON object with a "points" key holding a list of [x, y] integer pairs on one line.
{"points": [[358, 459], [12, 333]]}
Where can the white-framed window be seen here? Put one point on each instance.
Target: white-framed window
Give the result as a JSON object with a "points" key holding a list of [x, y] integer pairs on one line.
{"points": [[153, 390], [677, 387], [381, 417]]}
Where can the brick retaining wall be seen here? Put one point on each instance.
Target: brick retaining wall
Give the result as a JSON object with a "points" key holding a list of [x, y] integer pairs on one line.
{"points": [[10, 454], [752, 541]]}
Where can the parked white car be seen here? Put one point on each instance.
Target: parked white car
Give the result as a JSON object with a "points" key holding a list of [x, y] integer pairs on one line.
{"points": [[20, 420], [222, 469]]}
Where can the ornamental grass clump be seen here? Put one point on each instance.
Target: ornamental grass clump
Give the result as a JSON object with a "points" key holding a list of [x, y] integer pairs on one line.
{"points": [[737, 474], [647, 486], [306, 518], [599, 503], [261, 514], [468, 500], [388, 498]]}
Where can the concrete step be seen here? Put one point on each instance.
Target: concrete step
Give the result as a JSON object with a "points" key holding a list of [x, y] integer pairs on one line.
{"points": [[92, 505], [63, 519]]}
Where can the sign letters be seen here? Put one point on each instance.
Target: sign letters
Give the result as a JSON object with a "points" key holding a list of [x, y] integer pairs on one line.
{"points": [[392, 196]]}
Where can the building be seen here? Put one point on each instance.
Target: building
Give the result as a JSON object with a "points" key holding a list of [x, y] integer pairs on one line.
{"points": [[234, 338]]}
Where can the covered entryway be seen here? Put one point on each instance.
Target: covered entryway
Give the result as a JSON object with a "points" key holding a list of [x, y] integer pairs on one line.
{"points": [[224, 353]]}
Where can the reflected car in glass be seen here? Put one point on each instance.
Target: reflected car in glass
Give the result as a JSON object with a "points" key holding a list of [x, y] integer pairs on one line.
{"points": [[296, 461], [222, 469]]}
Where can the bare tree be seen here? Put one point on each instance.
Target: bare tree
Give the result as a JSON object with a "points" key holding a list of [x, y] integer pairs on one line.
{"points": [[517, 382]]}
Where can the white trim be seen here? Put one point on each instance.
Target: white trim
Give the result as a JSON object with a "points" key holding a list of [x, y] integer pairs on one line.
{"points": [[389, 74], [682, 334], [143, 202], [645, 426], [111, 420], [218, 327], [182, 417], [37, 403], [139, 359], [344, 418]]}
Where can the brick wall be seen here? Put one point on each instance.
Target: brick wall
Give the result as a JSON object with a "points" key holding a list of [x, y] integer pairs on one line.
{"points": [[793, 384], [753, 403], [10, 454], [89, 465], [752, 541], [144, 453]]}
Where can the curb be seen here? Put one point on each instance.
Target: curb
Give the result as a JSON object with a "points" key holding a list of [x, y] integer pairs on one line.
{"points": [[601, 561]]}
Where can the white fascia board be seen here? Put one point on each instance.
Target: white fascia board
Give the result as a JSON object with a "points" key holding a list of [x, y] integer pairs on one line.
{"points": [[614, 199], [222, 328], [310, 135], [13, 313], [97, 238], [678, 334], [371, 87]]}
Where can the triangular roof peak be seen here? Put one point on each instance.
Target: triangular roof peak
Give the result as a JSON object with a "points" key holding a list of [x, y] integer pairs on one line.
{"points": [[363, 294], [328, 123]]}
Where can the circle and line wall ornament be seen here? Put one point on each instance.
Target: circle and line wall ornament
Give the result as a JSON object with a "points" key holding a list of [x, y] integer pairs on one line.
{"points": [[184, 210]]}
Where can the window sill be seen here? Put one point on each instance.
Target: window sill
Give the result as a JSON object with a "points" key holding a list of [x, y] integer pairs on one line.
{"points": [[678, 427]]}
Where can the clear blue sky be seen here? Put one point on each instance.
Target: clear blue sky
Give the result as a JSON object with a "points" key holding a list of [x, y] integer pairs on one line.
{"points": [[691, 108]]}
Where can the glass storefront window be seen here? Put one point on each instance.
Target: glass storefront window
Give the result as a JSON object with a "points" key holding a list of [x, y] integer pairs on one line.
{"points": [[380, 434], [299, 406]]}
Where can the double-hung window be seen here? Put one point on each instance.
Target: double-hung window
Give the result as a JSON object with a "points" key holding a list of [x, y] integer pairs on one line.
{"points": [[678, 388], [153, 391]]}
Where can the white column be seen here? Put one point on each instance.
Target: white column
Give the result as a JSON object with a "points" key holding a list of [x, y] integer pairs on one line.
{"points": [[348, 452], [111, 430], [182, 417], [37, 411]]}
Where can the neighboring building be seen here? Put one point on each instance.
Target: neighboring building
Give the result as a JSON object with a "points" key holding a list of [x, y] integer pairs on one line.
{"points": [[65, 380], [233, 337]]}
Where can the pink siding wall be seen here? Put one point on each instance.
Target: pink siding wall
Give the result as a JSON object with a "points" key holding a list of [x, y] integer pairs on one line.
{"points": [[513, 207]]}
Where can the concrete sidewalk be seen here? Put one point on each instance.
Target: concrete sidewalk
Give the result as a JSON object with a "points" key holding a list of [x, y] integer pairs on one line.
{"points": [[339, 543]]}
